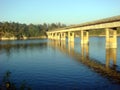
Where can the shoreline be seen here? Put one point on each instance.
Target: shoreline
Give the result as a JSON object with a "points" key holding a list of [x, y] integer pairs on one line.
{"points": [[42, 37], [24, 38]]}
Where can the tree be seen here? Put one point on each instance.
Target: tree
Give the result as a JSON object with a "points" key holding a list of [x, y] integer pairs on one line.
{"points": [[12, 29]]}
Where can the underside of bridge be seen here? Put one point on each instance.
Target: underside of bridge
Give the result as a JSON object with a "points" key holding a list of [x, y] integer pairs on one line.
{"points": [[111, 37]]}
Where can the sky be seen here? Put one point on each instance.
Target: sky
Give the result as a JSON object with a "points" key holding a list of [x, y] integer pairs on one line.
{"points": [[53, 11]]}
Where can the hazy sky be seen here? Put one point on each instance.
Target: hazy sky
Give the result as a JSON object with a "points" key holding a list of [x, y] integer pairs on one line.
{"points": [[65, 11]]}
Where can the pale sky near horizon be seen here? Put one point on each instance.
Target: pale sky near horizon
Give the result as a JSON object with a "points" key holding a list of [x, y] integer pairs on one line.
{"points": [[64, 11]]}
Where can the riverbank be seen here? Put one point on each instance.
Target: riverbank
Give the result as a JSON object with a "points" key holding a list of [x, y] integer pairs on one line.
{"points": [[41, 37], [24, 38]]}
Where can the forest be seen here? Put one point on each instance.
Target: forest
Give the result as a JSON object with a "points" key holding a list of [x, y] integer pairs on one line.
{"points": [[17, 30]]}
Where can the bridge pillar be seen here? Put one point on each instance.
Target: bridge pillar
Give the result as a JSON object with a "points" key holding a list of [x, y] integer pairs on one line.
{"points": [[70, 42], [55, 37], [71, 36], [84, 37], [63, 36], [58, 36], [51, 37], [48, 35], [111, 38]]}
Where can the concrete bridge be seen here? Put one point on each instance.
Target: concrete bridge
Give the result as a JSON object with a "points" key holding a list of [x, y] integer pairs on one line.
{"points": [[110, 25]]}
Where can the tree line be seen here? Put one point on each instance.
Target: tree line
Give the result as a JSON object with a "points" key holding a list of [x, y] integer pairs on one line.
{"points": [[18, 30]]}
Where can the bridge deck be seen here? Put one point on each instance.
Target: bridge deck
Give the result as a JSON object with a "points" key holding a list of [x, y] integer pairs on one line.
{"points": [[110, 22], [101, 21]]}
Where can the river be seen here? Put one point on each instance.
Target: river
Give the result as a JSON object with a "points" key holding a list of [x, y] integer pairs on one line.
{"points": [[52, 65]]}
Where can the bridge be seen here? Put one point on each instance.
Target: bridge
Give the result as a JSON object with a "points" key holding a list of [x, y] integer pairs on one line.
{"points": [[110, 25]]}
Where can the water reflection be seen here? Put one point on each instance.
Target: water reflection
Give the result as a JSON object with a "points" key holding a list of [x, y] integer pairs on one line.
{"points": [[85, 51], [111, 56], [104, 70], [7, 48]]}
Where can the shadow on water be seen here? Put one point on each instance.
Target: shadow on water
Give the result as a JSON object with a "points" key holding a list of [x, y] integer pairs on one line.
{"points": [[106, 70], [8, 84], [9, 47]]}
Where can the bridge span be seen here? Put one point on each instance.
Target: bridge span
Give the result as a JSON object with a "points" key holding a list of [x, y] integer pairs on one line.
{"points": [[110, 25]]}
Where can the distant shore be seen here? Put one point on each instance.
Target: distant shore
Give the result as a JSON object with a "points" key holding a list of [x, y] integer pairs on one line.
{"points": [[41, 37], [24, 38]]}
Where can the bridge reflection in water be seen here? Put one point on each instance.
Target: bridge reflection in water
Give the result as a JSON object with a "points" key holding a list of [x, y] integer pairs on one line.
{"points": [[107, 70]]}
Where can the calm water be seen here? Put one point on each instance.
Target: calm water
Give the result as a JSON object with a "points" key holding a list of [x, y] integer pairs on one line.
{"points": [[42, 64]]}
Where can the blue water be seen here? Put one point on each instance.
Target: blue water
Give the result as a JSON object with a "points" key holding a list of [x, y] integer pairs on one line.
{"points": [[42, 65]]}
